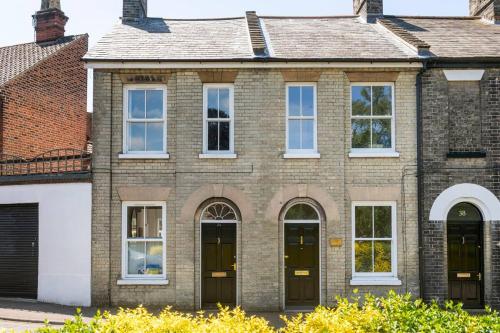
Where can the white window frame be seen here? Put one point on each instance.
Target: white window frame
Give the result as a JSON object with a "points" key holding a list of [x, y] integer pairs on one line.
{"points": [[302, 153], [375, 152], [138, 278], [218, 153], [390, 278], [143, 154]]}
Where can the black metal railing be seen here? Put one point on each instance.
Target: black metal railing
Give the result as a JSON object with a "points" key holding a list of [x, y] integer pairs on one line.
{"points": [[57, 161]]}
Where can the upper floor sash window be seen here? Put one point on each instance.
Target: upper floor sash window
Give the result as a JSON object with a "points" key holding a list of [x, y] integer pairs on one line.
{"points": [[218, 119]]}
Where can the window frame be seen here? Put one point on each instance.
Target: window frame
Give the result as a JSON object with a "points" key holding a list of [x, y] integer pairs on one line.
{"points": [[143, 277], [394, 242], [126, 120], [302, 153], [218, 153], [360, 152]]}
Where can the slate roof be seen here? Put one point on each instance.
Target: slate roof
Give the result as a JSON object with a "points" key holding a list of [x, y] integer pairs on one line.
{"points": [[453, 37], [335, 38], [16, 59]]}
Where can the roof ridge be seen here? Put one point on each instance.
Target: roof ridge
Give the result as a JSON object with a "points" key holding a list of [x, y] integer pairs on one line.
{"points": [[306, 17], [200, 19], [47, 43], [466, 18]]}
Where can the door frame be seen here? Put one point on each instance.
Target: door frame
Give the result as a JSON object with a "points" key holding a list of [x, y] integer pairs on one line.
{"points": [[200, 249], [283, 245]]}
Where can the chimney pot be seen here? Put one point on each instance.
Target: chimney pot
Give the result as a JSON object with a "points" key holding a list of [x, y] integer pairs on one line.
{"points": [[369, 10], [49, 21]]}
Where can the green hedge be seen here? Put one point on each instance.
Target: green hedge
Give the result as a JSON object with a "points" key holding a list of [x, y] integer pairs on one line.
{"points": [[394, 313]]}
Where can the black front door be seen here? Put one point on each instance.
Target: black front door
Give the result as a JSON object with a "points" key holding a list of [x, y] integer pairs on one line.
{"points": [[218, 255], [19, 250], [465, 257], [301, 265]]}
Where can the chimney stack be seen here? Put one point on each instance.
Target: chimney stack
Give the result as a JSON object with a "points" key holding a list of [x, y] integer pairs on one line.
{"points": [[487, 9], [49, 21], [134, 10], [369, 10]]}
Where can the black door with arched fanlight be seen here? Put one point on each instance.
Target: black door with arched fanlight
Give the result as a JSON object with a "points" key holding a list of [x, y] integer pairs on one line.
{"points": [[465, 256]]}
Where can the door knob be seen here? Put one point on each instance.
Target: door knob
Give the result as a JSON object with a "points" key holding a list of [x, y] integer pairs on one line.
{"points": [[286, 257], [479, 276], [234, 267]]}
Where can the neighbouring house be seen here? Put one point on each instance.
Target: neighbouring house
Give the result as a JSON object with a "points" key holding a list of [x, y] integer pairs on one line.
{"points": [[45, 190], [267, 162]]}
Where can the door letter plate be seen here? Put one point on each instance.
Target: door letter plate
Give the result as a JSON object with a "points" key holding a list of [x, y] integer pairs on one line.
{"points": [[301, 273], [219, 274], [463, 275]]}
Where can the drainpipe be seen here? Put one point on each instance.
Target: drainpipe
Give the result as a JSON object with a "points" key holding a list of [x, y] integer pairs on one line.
{"points": [[420, 179]]}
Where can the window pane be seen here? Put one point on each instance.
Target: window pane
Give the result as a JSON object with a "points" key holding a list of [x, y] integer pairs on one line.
{"points": [[361, 133], [154, 137], [361, 101], [213, 135], [135, 222], [363, 256], [137, 137], [294, 101], [224, 136], [301, 212], [136, 104], [213, 102], [383, 224], [381, 133], [307, 134], [382, 101], [136, 256], [294, 134], [383, 257], [154, 104], [154, 258], [224, 103], [363, 218], [308, 101], [153, 222]]}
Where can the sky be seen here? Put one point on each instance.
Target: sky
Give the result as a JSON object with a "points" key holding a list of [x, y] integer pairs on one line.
{"points": [[96, 17]]}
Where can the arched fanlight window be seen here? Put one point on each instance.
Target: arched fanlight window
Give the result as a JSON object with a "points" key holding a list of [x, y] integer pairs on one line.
{"points": [[465, 211], [301, 212], [219, 211]]}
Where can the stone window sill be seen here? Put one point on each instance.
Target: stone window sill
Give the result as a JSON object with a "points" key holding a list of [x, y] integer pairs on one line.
{"points": [[302, 156], [366, 281], [218, 156], [392, 154], [144, 156], [142, 282]]}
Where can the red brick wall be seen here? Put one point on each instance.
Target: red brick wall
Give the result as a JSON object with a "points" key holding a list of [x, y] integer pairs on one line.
{"points": [[46, 107]]}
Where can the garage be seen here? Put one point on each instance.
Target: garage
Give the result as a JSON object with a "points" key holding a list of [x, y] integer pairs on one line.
{"points": [[19, 251]]}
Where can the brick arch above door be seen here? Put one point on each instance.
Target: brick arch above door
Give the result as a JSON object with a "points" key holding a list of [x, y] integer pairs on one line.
{"points": [[289, 192], [202, 194], [481, 197]]}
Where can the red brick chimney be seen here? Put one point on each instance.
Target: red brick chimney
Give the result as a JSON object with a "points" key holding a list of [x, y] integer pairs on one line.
{"points": [[49, 21]]}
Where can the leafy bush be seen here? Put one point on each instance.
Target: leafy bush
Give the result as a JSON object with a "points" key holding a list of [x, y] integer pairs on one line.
{"points": [[395, 313]]}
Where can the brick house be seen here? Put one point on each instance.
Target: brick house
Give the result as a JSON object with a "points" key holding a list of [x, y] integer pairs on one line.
{"points": [[244, 161], [43, 90], [45, 190]]}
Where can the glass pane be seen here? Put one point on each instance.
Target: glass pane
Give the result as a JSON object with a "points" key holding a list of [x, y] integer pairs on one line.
{"points": [[465, 212], [136, 256], [153, 222], [223, 103], [361, 133], [294, 134], [154, 258], [136, 104], [383, 224], [382, 101], [363, 218], [307, 134], [213, 135], [361, 101], [213, 102], [135, 222], [301, 212], [154, 104], [308, 101], [381, 133], [219, 211], [363, 256], [224, 136], [137, 137], [294, 101], [154, 137], [382, 257]]}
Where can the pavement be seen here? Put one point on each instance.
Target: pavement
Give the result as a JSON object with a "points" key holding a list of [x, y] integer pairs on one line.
{"points": [[25, 315]]}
